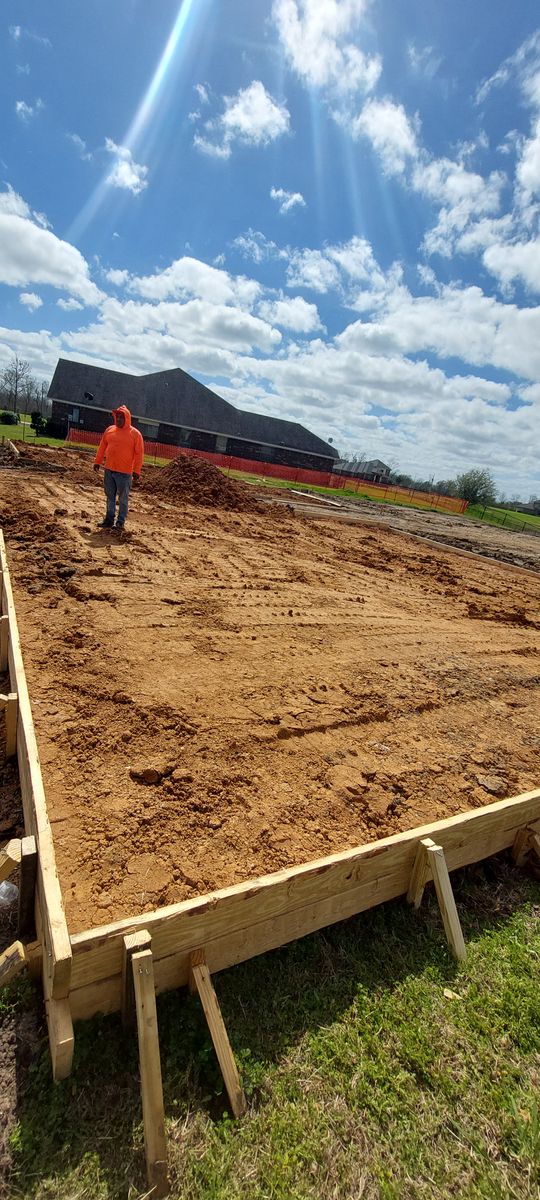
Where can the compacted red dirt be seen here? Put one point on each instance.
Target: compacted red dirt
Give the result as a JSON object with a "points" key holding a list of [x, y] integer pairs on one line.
{"points": [[229, 689]]}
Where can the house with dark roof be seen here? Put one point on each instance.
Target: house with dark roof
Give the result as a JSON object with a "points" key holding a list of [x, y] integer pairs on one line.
{"points": [[372, 469], [173, 408]]}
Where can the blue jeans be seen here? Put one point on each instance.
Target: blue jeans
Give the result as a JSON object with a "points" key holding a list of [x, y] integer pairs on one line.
{"points": [[117, 484]]}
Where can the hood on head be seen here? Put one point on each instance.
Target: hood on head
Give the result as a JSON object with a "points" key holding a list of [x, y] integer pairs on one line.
{"points": [[122, 409]]}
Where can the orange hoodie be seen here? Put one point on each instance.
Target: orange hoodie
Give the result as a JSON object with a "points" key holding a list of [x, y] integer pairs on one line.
{"points": [[122, 449]]}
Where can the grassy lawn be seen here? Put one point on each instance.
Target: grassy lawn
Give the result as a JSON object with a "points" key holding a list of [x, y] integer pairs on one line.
{"points": [[506, 518], [24, 432], [374, 1067]]}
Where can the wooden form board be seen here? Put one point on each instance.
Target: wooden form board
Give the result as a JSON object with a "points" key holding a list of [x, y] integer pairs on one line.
{"points": [[50, 916], [240, 922]]}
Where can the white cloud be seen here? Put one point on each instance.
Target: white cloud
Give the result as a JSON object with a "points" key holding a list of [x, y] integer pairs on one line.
{"points": [[390, 132], [528, 168], [464, 196], [423, 60], [23, 68], [459, 322], [518, 260], [349, 268], [251, 118], [117, 277], [18, 31], [527, 51], [27, 111], [30, 300], [312, 269], [80, 146], [203, 93], [190, 277], [71, 305], [317, 37], [30, 254], [254, 245], [291, 313], [287, 200], [126, 173]]}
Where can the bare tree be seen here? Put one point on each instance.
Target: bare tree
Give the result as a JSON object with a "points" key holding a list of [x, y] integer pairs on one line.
{"points": [[14, 380]]}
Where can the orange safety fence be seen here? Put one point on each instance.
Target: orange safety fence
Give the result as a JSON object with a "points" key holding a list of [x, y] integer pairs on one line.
{"points": [[328, 479]]}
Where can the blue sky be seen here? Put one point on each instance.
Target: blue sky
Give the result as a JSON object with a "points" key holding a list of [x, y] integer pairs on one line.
{"points": [[327, 210]]}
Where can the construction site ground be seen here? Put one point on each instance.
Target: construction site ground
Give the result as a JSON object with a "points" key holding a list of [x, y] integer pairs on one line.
{"points": [[229, 689]]}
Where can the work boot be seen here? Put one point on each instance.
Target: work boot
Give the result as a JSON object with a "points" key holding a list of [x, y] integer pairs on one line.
{"points": [[106, 524], [119, 526]]}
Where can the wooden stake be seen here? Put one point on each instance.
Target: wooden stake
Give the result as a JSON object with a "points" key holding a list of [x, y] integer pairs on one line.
{"points": [[12, 962], [202, 980], [61, 1039], [4, 639], [430, 863], [10, 858], [525, 840], [421, 874], [27, 888], [150, 1066], [132, 943], [12, 710]]}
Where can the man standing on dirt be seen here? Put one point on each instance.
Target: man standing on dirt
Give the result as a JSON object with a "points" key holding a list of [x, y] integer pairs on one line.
{"points": [[122, 448]]}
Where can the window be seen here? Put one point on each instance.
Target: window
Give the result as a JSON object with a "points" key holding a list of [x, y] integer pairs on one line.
{"points": [[149, 431]]}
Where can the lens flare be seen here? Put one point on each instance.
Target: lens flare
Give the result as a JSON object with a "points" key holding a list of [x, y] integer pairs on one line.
{"points": [[146, 116]]}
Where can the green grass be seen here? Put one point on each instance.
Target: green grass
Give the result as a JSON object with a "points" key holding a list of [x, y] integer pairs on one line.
{"points": [[363, 1078], [24, 432], [507, 518]]}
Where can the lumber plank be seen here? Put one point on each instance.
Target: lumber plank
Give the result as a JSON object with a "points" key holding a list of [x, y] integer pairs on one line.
{"points": [[202, 981], [12, 962], [57, 948], [535, 843], [26, 922], [4, 639], [10, 858], [239, 922], [11, 717], [445, 896], [150, 1067], [132, 943]]}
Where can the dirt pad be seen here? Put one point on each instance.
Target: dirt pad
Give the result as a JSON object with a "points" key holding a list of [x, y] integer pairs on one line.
{"points": [[219, 694]]}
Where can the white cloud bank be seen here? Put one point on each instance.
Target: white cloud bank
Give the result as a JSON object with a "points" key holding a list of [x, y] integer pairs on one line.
{"points": [[31, 254]]}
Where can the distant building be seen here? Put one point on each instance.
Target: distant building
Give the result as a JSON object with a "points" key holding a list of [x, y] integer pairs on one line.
{"points": [[372, 470], [173, 408]]}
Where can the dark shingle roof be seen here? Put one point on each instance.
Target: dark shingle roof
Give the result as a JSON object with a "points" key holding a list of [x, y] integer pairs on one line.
{"points": [[175, 398]]}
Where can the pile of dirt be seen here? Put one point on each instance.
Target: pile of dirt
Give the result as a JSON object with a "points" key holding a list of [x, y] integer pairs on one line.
{"points": [[195, 481]]}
